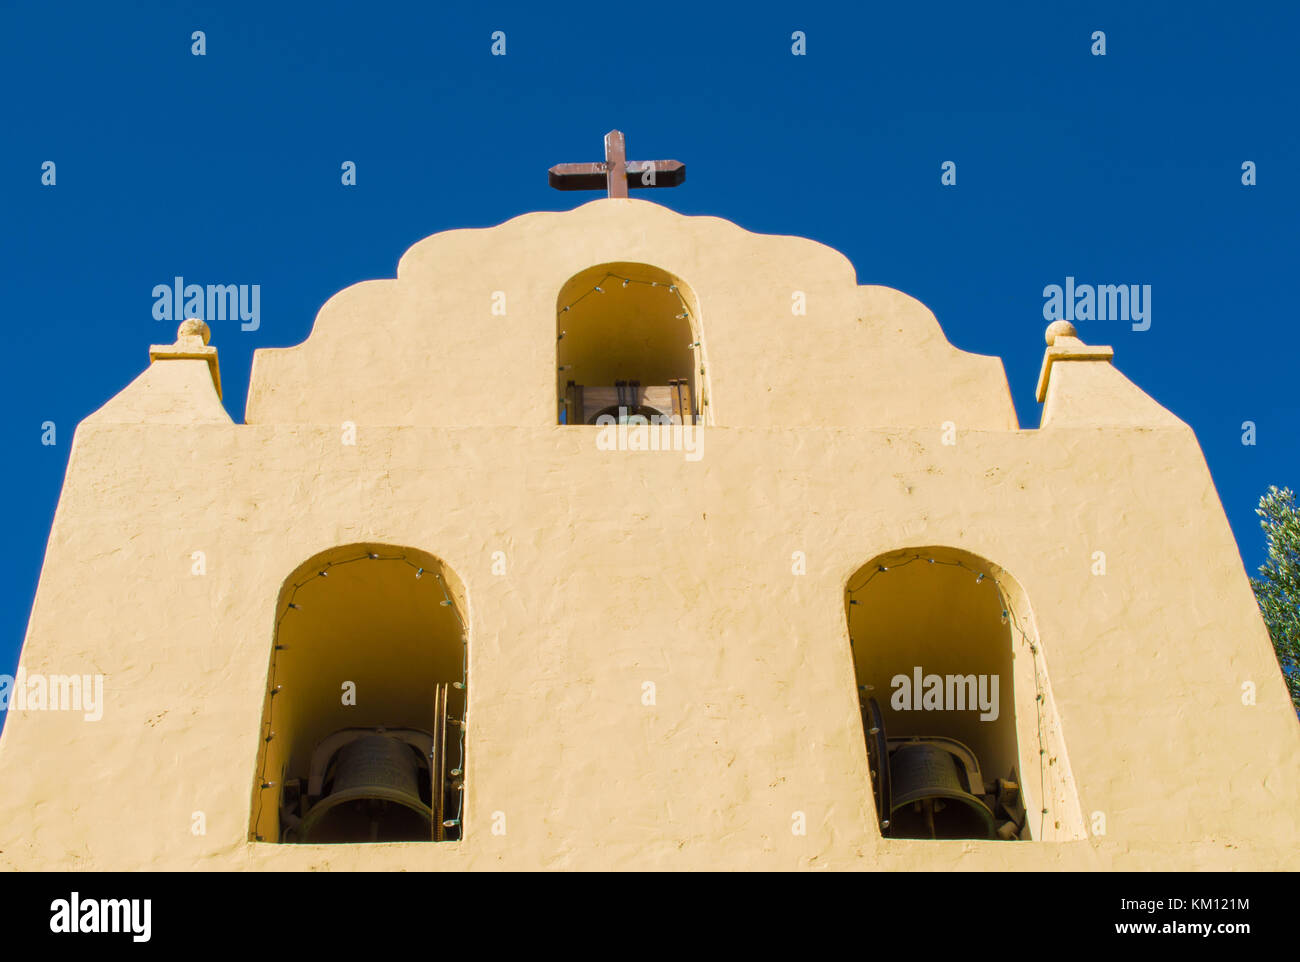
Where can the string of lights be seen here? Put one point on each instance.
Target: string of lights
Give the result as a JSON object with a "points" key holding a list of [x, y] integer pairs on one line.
{"points": [[696, 345], [598, 288], [1008, 613], [274, 688]]}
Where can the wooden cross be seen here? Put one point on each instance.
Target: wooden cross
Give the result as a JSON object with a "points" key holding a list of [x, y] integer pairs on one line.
{"points": [[617, 173]]}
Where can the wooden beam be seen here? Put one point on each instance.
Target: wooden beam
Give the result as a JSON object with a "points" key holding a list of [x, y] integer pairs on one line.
{"points": [[616, 163], [617, 174], [438, 763], [668, 173]]}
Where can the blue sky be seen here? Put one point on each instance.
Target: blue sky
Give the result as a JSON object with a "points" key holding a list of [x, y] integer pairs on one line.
{"points": [[225, 169]]}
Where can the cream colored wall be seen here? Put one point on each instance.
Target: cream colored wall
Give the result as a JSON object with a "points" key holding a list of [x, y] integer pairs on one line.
{"points": [[829, 443]]}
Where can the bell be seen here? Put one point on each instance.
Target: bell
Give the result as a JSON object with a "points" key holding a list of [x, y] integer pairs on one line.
{"points": [[931, 794], [374, 796]]}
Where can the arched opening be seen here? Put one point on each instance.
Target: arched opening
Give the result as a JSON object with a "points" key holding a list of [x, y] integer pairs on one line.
{"points": [[628, 344], [963, 740], [362, 734]]}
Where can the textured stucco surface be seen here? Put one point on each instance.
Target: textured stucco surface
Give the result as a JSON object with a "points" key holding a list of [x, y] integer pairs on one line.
{"points": [[627, 567]]}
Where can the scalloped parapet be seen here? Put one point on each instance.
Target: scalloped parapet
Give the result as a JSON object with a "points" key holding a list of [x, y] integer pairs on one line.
{"points": [[465, 334]]}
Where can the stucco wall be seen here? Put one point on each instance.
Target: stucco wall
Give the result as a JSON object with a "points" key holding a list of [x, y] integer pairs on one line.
{"points": [[625, 567]]}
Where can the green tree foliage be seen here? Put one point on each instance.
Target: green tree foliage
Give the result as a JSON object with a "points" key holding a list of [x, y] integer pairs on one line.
{"points": [[1277, 589]]}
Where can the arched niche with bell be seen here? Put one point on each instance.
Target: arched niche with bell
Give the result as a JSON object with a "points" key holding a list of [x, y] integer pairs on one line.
{"points": [[963, 739], [362, 736], [629, 348]]}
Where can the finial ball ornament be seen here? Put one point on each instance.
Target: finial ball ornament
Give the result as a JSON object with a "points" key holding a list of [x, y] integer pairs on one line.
{"points": [[192, 326], [1059, 329]]}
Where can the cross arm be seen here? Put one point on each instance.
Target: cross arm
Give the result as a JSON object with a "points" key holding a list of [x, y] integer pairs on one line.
{"points": [[668, 173]]}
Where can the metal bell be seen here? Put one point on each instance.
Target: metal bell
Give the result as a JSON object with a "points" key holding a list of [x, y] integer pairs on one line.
{"points": [[932, 793], [374, 796]]}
